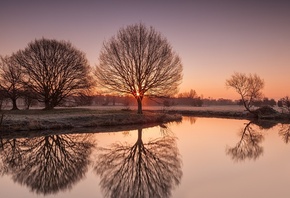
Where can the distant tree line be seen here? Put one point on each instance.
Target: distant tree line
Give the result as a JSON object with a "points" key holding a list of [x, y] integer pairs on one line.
{"points": [[179, 100], [262, 102], [189, 98], [284, 104]]}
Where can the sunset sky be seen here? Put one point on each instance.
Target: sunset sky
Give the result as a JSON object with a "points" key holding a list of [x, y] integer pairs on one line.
{"points": [[213, 38]]}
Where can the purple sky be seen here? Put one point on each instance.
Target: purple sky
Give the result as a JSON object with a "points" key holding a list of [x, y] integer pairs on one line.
{"points": [[213, 38]]}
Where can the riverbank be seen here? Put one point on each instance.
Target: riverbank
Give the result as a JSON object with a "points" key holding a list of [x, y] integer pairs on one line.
{"points": [[262, 113], [102, 118], [77, 118]]}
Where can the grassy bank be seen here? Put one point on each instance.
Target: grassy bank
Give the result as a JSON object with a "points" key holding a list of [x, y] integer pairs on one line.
{"points": [[103, 118], [69, 118]]}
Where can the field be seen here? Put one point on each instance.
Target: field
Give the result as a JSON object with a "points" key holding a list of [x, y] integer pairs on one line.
{"points": [[107, 116], [78, 118]]}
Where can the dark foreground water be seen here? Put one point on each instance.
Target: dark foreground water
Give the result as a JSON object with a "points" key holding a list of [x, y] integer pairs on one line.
{"points": [[198, 158]]}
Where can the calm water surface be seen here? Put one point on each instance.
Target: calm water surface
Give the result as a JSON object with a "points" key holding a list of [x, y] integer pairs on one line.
{"points": [[198, 158]]}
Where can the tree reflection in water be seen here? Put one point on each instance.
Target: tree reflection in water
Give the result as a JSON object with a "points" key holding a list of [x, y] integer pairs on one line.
{"points": [[10, 154], [284, 132], [249, 145], [47, 164], [190, 119], [141, 170]]}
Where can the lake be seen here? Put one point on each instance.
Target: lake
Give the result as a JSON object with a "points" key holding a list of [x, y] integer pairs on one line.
{"points": [[198, 157]]}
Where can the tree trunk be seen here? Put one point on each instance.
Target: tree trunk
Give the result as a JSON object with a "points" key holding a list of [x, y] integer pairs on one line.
{"points": [[14, 107], [254, 113], [48, 105]]}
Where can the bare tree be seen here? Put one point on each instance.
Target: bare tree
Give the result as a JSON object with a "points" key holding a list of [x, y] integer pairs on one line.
{"points": [[248, 87], [53, 70], [10, 80], [190, 98], [139, 61]]}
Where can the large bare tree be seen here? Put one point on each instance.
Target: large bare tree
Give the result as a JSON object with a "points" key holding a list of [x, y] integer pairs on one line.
{"points": [[139, 61], [53, 70], [249, 87], [10, 80]]}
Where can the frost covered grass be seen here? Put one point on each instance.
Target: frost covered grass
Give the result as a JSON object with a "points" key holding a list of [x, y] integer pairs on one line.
{"points": [[109, 116], [67, 118]]}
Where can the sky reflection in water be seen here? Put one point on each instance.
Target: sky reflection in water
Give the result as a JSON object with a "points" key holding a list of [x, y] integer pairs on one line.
{"points": [[200, 157]]}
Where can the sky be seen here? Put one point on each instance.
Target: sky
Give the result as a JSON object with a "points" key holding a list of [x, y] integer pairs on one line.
{"points": [[214, 39]]}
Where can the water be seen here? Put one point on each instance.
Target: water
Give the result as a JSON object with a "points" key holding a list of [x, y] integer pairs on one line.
{"points": [[199, 157]]}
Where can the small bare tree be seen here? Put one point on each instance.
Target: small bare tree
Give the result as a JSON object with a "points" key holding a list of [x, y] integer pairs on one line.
{"points": [[139, 61], [53, 70], [249, 87], [10, 79]]}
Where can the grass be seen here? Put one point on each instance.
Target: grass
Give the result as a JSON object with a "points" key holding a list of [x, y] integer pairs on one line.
{"points": [[55, 111], [67, 118]]}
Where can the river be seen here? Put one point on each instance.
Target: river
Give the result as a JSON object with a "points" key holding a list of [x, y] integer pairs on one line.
{"points": [[195, 158]]}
